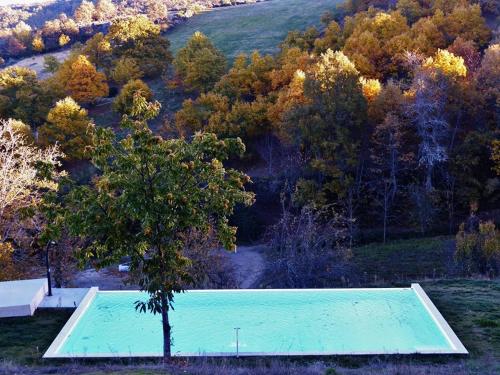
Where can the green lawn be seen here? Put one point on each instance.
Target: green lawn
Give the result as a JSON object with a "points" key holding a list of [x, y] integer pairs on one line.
{"points": [[472, 308], [25, 339], [246, 28], [411, 259]]}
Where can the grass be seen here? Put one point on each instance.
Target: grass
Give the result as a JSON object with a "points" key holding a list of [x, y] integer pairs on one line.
{"points": [[472, 308], [25, 339], [411, 259], [245, 28]]}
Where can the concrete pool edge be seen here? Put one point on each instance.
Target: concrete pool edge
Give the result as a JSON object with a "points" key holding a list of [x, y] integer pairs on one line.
{"points": [[52, 351], [456, 347], [441, 322]]}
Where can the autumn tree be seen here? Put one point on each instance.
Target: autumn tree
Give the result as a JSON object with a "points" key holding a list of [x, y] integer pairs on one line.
{"points": [[38, 44], [125, 69], [63, 40], [199, 64], [98, 50], [140, 39], [84, 14], [468, 51], [149, 194], [124, 101], [332, 38], [478, 246], [105, 10], [248, 78], [69, 126], [79, 79], [486, 82], [330, 131], [374, 41], [23, 97]]}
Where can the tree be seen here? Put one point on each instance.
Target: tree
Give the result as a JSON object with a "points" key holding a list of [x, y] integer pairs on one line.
{"points": [[306, 250], [495, 156], [69, 126], [38, 44], [150, 193], [390, 156], [447, 63], [139, 38], [105, 10], [427, 108], [199, 64], [50, 64], [98, 50], [83, 82], [478, 246], [156, 10], [25, 174], [467, 22], [63, 40], [329, 127], [23, 97], [247, 79], [126, 69], [467, 50], [329, 130], [84, 14], [486, 81], [124, 102], [332, 39], [411, 9]]}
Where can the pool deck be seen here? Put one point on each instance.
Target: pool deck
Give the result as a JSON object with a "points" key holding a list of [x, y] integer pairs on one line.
{"points": [[456, 345], [64, 298], [21, 297]]}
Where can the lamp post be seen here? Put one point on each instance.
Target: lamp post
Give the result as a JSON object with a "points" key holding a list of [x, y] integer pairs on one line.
{"points": [[49, 282]]}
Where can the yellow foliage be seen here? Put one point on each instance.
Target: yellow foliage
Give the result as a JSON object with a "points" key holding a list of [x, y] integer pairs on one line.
{"points": [[447, 63], [7, 269], [288, 98], [63, 40], [84, 83], [330, 66], [371, 88], [38, 44], [69, 126]]}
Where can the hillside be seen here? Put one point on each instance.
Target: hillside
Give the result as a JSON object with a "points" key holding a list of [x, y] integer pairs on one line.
{"points": [[246, 28]]}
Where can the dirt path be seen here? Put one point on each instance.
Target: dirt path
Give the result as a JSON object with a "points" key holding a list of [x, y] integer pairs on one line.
{"points": [[249, 264]]}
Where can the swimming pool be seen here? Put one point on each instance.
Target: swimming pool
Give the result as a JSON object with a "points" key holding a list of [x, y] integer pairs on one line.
{"points": [[269, 322]]}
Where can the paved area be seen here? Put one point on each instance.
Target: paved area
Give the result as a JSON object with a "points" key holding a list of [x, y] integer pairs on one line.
{"points": [[64, 297], [21, 297]]}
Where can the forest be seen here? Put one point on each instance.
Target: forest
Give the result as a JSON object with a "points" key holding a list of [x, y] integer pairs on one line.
{"points": [[388, 116], [381, 125]]}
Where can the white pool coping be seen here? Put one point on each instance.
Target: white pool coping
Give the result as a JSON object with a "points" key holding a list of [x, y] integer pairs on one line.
{"points": [[439, 320], [456, 345], [52, 351], [21, 297]]}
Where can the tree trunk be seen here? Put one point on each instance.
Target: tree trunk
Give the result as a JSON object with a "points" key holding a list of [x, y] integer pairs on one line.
{"points": [[166, 328]]}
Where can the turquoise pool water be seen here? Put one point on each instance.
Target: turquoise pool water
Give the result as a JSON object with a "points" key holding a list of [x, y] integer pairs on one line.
{"points": [[270, 321]]}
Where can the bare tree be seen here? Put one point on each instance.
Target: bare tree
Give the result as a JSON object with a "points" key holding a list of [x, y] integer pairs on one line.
{"points": [[22, 181], [427, 108], [24, 176], [309, 249], [389, 159]]}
